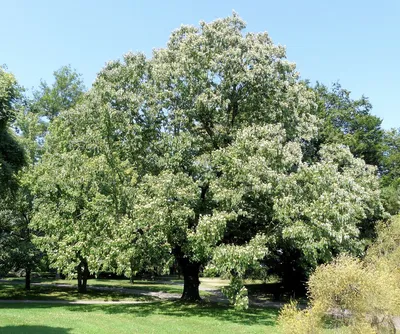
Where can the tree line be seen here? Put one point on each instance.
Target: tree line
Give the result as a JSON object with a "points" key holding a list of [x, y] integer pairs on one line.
{"points": [[213, 154]]}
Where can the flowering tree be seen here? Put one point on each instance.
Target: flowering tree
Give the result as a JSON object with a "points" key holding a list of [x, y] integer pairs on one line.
{"points": [[197, 153]]}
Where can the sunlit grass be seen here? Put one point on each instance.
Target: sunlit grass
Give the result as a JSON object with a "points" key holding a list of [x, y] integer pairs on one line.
{"points": [[159, 317]]}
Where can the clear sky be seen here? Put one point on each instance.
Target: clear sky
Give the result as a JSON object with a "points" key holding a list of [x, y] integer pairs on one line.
{"points": [[355, 42]]}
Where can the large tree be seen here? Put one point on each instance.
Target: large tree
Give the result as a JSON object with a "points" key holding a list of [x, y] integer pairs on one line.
{"points": [[199, 152]]}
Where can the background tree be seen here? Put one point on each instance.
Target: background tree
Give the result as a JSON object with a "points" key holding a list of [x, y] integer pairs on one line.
{"points": [[16, 240], [81, 198], [349, 122], [12, 160], [30, 124], [390, 173], [344, 120], [73, 214], [66, 90]]}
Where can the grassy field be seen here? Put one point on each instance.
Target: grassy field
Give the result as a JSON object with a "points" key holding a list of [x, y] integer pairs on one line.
{"points": [[146, 314], [157, 317], [150, 316]]}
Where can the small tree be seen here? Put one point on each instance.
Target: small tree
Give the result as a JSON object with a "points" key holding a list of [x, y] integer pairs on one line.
{"points": [[74, 213], [30, 124]]}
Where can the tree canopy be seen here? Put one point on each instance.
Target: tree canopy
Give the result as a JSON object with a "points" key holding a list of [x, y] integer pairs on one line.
{"points": [[66, 90], [199, 153]]}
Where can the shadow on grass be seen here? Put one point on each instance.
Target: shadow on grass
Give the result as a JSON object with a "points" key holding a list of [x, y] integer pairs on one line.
{"points": [[26, 329], [65, 293], [113, 282], [252, 316], [102, 284], [153, 288], [96, 281]]}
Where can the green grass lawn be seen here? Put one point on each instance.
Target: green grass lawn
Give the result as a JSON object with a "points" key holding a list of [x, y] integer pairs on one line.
{"points": [[157, 317]]}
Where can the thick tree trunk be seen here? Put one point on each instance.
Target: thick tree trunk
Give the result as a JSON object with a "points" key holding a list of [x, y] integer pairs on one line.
{"points": [[191, 270], [191, 281], [131, 279], [28, 279], [83, 274], [79, 270]]}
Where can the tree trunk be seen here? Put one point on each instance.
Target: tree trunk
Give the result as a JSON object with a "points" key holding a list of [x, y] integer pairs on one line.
{"points": [[131, 279], [83, 273], [191, 281], [27, 279]]}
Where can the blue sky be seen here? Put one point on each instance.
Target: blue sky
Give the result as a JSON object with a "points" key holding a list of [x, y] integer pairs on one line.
{"points": [[354, 42]]}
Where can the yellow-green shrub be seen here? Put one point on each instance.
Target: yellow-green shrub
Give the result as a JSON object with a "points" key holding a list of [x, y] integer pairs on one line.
{"points": [[360, 296], [295, 321]]}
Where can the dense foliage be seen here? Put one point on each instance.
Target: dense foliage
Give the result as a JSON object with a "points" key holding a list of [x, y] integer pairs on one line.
{"points": [[349, 122], [11, 154], [211, 154]]}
